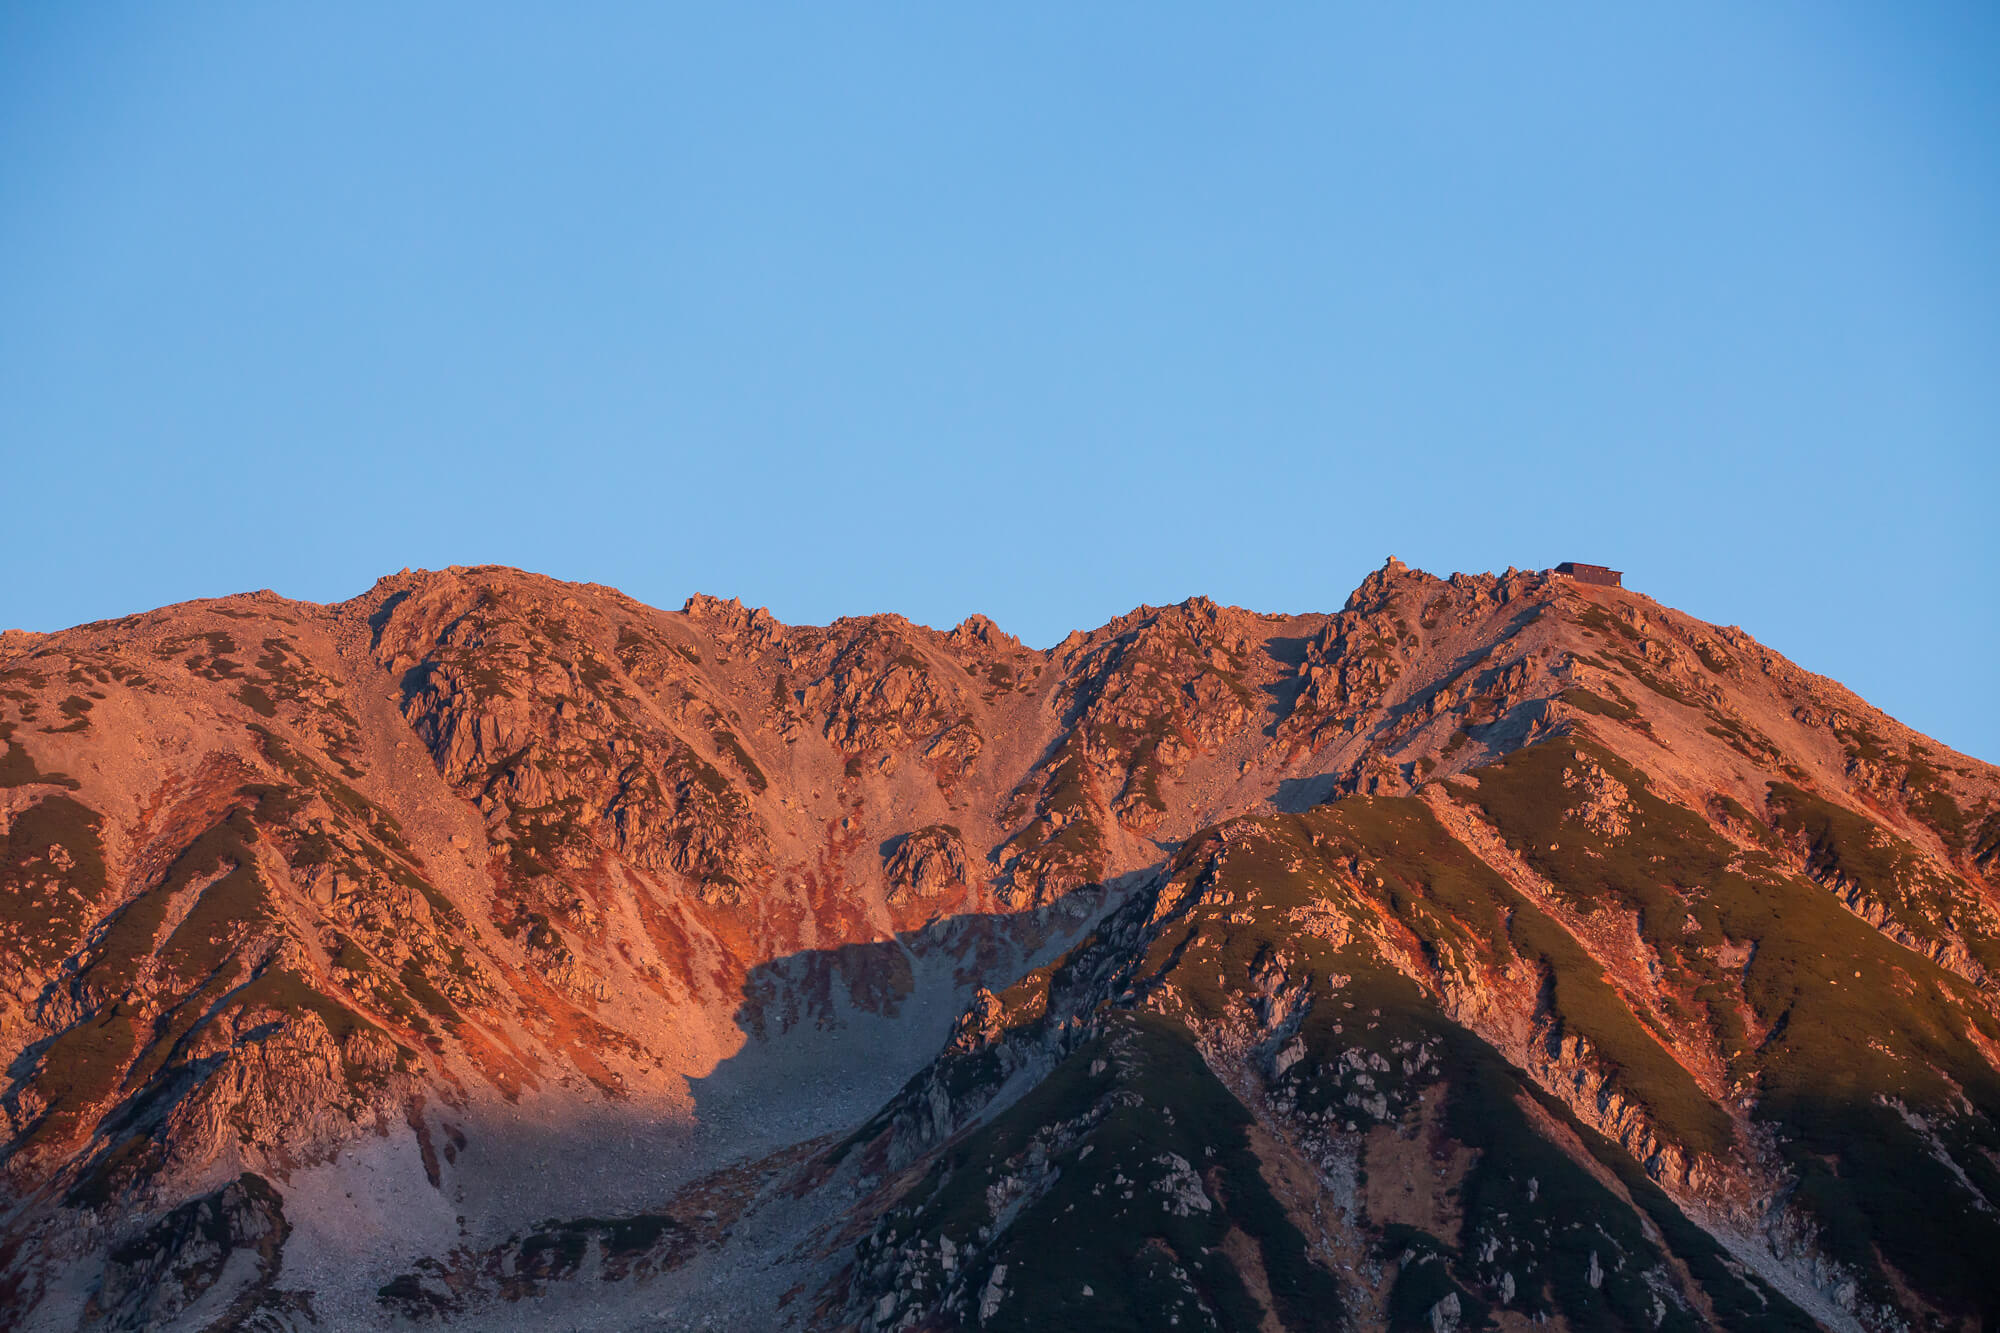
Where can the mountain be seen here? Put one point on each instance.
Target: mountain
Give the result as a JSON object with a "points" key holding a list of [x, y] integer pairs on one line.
{"points": [[487, 951]]}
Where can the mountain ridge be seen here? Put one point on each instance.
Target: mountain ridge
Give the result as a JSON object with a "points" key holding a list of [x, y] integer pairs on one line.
{"points": [[478, 855]]}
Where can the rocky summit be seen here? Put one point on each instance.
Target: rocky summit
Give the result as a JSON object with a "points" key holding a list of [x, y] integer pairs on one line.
{"points": [[499, 953]]}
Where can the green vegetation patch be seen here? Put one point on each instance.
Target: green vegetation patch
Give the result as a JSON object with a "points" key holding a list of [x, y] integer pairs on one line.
{"points": [[79, 1071], [1376, 1049], [1933, 906], [1597, 618], [210, 661], [1846, 1028], [237, 901], [725, 740], [1076, 844], [77, 709], [115, 1171], [418, 984], [256, 699], [1646, 675], [291, 992], [1747, 742], [51, 878], [17, 766], [1458, 907], [1085, 1173], [384, 827]]}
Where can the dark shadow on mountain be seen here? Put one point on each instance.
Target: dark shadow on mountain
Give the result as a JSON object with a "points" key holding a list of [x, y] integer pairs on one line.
{"points": [[1284, 692], [1491, 731], [836, 1032], [830, 1036], [1459, 665], [380, 618], [1296, 794]]}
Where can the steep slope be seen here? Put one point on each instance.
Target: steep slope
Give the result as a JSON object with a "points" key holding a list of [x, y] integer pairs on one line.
{"points": [[1498, 947], [1681, 1013]]}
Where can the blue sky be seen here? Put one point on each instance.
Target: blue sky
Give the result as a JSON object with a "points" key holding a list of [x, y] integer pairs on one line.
{"points": [[1032, 310]]}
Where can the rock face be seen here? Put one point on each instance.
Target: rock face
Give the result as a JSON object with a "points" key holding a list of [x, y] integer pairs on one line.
{"points": [[927, 863], [1495, 949], [212, 1260]]}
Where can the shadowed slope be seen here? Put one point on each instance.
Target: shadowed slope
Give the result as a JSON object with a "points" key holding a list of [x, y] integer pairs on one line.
{"points": [[294, 890]]}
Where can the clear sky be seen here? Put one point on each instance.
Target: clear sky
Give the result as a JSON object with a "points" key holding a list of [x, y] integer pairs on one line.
{"points": [[1042, 311]]}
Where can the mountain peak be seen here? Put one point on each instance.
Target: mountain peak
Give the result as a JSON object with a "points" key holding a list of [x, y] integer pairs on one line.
{"points": [[320, 918]]}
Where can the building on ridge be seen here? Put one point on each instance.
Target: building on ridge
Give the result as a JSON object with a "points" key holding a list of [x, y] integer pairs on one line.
{"points": [[1598, 574]]}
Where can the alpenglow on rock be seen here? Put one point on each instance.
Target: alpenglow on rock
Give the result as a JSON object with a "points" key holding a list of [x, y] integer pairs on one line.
{"points": [[493, 952]]}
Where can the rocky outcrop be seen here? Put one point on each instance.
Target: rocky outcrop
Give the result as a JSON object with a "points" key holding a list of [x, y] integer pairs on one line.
{"points": [[546, 732], [211, 1263], [927, 863], [1515, 868]]}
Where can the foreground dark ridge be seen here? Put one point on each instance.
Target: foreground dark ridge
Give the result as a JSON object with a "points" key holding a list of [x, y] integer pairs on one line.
{"points": [[505, 952]]}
